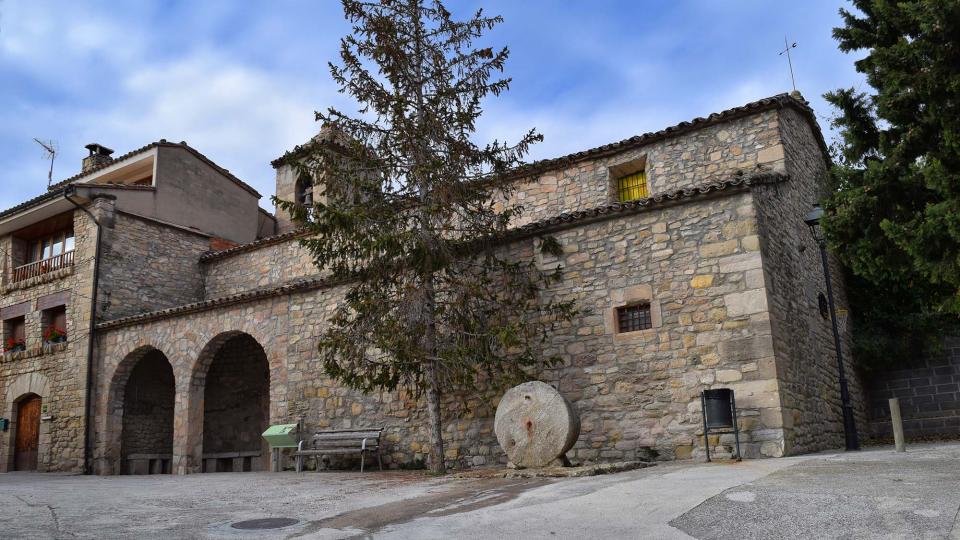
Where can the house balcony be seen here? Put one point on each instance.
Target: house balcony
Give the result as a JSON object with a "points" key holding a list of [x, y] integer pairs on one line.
{"points": [[41, 267]]}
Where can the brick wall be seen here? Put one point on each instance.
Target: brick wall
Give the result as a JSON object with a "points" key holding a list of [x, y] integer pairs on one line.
{"points": [[929, 396]]}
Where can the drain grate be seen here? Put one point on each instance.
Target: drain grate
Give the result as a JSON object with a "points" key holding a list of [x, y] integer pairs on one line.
{"points": [[264, 523]]}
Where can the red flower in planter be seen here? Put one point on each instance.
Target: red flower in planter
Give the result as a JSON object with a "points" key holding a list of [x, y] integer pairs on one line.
{"points": [[54, 335], [14, 345]]}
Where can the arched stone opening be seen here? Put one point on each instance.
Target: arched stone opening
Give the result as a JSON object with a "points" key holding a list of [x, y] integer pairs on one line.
{"points": [[146, 442], [233, 376], [138, 415]]}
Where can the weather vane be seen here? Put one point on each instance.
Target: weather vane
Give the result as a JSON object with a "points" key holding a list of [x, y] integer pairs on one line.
{"points": [[787, 46]]}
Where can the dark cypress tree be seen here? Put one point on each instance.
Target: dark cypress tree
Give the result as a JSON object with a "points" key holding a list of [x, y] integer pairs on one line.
{"points": [[894, 213], [412, 213]]}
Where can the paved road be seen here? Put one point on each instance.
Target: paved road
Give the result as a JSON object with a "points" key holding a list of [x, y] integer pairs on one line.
{"points": [[870, 494]]}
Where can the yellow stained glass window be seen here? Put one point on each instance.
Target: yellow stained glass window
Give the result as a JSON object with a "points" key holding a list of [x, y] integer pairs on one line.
{"points": [[632, 187]]}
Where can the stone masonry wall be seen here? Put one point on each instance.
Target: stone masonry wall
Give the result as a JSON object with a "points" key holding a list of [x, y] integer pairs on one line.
{"points": [[708, 154], [57, 373], [715, 152], [269, 265], [802, 339], [697, 264], [929, 394], [147, 265], [727, 291], [692, 261]]}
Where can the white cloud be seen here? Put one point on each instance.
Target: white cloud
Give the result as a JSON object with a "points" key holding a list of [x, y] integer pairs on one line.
{"points": [[239, 116]]}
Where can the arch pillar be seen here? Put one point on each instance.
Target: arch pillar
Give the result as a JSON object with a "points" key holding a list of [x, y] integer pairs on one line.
{"points": [[187, 427]]}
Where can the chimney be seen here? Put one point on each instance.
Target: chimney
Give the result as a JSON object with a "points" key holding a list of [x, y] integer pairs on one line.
{"points": [[99, 155]]}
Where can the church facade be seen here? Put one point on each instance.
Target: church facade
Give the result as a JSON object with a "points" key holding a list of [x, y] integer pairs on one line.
{"points": [[157, 321]]}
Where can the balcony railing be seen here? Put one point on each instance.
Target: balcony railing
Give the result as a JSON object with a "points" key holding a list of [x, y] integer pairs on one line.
{"points": [[40, 268]]}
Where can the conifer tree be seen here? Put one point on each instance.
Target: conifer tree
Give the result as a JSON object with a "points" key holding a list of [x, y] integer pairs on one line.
{"points": [[894, 213], [412, 214]]}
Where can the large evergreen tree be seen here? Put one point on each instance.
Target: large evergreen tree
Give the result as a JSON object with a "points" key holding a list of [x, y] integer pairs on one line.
{"points": [[894, 213], [411, 213]]}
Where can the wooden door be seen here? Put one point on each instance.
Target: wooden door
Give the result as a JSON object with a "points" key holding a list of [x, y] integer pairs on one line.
{"points": [[28, 434]]}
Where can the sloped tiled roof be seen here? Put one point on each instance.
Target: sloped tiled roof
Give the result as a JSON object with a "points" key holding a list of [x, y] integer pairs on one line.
{"points": [[160, 143], [250, 246], [778, 101], [36, 201]]}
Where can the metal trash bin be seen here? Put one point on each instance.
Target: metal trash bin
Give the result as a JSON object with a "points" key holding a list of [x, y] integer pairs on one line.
{"points": [[719, 407], [281, 436]]}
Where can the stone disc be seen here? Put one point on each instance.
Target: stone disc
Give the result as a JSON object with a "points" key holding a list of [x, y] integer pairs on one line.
{"points": [[535, 425]]}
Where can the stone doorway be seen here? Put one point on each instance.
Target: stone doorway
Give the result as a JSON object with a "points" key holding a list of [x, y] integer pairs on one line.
{"points": [[236, 407], [27, 437], [148, 415]]}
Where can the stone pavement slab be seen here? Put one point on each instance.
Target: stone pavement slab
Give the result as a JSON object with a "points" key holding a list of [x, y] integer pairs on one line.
{"points": [[869, 494]]}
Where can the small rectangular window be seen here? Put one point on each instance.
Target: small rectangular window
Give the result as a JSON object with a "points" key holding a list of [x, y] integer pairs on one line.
{"points": [[55, 324], [634, 318], [15, 334], [632, 187]]}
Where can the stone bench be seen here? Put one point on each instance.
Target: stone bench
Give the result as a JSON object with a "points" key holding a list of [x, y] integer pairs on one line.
{"points": [[241, 461], [148, 463], [341, 441]]}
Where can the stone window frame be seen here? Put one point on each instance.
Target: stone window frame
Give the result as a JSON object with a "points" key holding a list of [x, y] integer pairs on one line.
{"points": [[49, 317], [625, 168], [630, 296], [10, 315], [10, 327], [643, 318]]}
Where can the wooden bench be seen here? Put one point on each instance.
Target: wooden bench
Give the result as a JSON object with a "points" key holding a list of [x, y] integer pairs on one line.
{"points": [[341, 441]]}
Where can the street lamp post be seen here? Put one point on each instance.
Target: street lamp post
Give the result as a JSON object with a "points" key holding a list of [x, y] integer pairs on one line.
{"points": [[849, 424]]}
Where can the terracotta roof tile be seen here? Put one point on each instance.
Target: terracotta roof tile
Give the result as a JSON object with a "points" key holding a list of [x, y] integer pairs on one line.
{"points": [[256, 244], [39, 199], [160, 143]]}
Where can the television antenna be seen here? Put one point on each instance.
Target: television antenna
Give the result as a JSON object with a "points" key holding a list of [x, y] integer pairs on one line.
{"points": [[49, 152], [786, 50]]}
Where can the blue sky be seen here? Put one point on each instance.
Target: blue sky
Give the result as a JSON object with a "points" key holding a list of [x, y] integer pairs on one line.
{"points": [[240, 80]]}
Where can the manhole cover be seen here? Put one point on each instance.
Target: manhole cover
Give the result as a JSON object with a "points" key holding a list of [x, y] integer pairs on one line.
{"points": [[264, 523]]}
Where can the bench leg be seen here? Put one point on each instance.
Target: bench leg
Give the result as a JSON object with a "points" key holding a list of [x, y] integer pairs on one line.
{"points": [[379, 459], [299, 464], [362, 456]]}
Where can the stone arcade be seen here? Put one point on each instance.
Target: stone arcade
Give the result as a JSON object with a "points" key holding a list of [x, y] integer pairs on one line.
{"points": [[685, 248]]}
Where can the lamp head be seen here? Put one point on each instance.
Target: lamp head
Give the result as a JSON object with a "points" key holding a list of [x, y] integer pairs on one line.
{"points": [[813, 221]]}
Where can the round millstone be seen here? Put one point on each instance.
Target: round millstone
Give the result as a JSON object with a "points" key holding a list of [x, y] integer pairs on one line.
{"points": [[535, 425]]}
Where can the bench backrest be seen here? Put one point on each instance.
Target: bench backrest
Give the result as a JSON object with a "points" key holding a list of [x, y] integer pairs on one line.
{"points": [[346, 437]]}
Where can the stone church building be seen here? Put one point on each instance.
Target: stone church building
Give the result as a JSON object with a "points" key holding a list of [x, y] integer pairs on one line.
{"points": [[156, 320]]}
